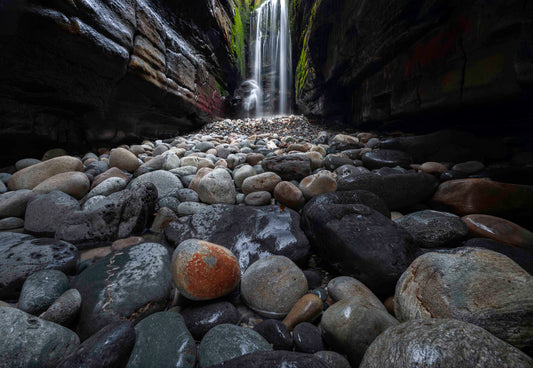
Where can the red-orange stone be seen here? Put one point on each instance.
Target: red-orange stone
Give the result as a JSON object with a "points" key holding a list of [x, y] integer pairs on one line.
{"points": [[499, 229], [203, 270], [472, 196]]}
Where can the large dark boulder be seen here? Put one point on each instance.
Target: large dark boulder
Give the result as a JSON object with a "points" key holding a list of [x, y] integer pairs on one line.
{"points": [[249, 232], [358, 241]]}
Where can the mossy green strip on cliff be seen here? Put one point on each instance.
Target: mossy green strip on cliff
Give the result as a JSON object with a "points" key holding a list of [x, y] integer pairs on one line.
{"points": [[303, 68], [237, 40]]}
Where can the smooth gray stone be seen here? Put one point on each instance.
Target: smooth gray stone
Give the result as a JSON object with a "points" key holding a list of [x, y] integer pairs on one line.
{"points": [[41, 289], [436, 343], [28, 341], [165, 182], [46, 212], [9, 223], [225, 342], [13, 203], [163, 341], [65, 309]]}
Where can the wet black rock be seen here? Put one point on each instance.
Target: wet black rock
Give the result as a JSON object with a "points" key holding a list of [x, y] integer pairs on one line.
{"points": [[288, 167], [386, 158], [276, 333], [307, 338], [200, 319]]}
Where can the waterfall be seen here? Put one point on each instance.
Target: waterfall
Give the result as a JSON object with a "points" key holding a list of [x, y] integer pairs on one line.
{"points": [[271, 57]]}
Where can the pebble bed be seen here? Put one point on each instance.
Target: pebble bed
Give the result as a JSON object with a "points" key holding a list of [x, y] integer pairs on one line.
{"points": [[270, 242]]}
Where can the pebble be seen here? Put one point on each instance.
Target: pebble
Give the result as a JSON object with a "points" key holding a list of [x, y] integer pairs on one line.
{"points": [[53, 153], [289, 194], [32, 176], [499, 229], [41, 289], [72, 183], [195, 182], [64, 309], [306, 309], [123, 159], [165, 182], [187, 195], [262, 182], [217, 187], [276, 333], [200, 319], [225, 342], [261, 198], [184, 171], [10, 223], [307, 338], [203, 270], [272, 285], [313, 185]]}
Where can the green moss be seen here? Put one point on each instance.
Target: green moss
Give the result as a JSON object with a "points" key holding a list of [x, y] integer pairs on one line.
{"points": [[303, 69], [222, 91], [237, 40]]}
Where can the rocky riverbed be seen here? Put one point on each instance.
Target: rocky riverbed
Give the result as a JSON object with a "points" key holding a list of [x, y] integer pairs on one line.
{"points": [[270, 243]]}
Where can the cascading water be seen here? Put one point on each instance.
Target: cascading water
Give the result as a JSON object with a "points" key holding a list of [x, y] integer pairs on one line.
{"points": [[271, 60]]}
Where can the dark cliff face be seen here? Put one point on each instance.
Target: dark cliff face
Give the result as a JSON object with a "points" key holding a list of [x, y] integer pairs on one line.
{"points": [[363, 61], [80, 71]]}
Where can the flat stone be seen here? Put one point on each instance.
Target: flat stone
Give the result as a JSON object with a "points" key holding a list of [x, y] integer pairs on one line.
{"points": [[109, 347], [72, 183], [469, 167], [203, 270], [320, 183], [13, 204], [473, 285], [288, 167], [200, 319], [499, 229], [165, 182], [33, 342], [138, 286], [332, 162], [22, 255], [45, 212], [32, 176], [272, 285], [162, 340], [249, 232], [350, 326], [433, 229], [441, 343], [123, 159], [225, 342], [10, 223], [431, 167], [41, 289]]}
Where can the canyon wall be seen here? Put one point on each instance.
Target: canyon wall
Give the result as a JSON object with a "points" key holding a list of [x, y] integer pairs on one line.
{"points": [[88, 71], [375, 60]]}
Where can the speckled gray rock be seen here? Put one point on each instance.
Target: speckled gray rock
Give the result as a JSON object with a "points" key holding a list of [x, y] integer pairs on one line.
{"points": [[344, 287], [252, 232], [22, 255], [217, 187], [261, 198], [28, 341], [41, 289], [438, 343], [163, 341], [272, 285], [191, 208], [107, 187], [350, 326], [165, 182], [225, 342], [10, 223], [473, 285], [13, 204], [46, 212], [187, 195], [130, 283], [108, 347], [65, 309], [433, 229]]}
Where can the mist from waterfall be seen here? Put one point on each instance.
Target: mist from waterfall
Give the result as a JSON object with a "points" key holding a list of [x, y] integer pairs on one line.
{"points": [[270, 59]]}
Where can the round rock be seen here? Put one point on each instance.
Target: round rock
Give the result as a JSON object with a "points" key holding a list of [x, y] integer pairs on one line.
{"points": [[217, 187], [165, 182], [203, 270], [201, 319], [73, 183], [262, 182], [276, 333], [123, 159], [41, 289], [272, 285]]}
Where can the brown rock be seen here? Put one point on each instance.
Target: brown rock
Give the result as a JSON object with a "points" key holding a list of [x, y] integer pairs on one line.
{"points": [[389, 304], [123, 159], [306, 309], [254, 158], [113, 172], [99, 252], [313, 185], [289, 194], [195, 183], [32, 176], [474, 196], [126, 242], [432, 167], [74, 183], [262, 182], [496, 228]]}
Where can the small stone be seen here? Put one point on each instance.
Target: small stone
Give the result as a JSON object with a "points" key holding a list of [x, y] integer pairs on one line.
{"points": [[307, 338], [262, 182], [289, 194], [260, 198], [317, 160], [469, 167], [225, 342], [306, 309], [499, 229], [431, 167], [345, 287], [201, 319], [109, 347], [184, 171], [190, 208], [123, 159], [276, 333], [41, 289], [272, 285], [334, 359], [165, 182], [32, 176], [288, 167], [73, 183], [195, 183], [313, 185], [64, 309], [217, 187], [162, 340], [203, 270], [10, 223], [332, 162], [126, 242]]}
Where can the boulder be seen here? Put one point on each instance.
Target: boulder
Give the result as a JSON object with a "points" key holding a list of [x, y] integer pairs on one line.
{"points": [[32, 176]]}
